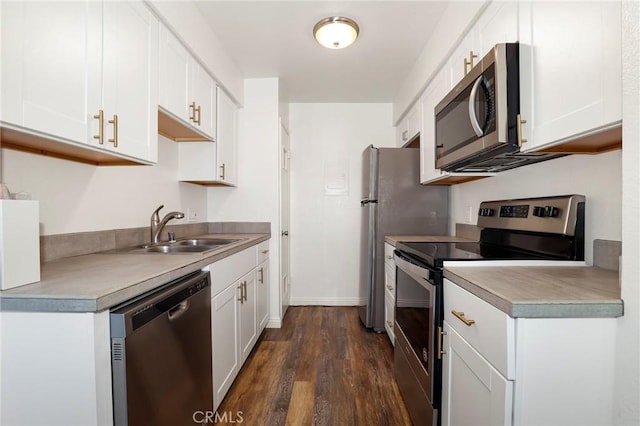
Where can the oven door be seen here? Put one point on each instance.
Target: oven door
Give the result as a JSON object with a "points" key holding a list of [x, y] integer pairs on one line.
{"points": [[418, 314]]}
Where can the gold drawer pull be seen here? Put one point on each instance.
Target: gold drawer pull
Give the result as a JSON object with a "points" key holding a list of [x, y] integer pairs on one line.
{"points": [[114, 141], [460, 316], [100, 135]]}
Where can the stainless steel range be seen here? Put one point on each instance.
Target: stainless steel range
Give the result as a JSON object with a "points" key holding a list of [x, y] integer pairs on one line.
{"points": [[543, 229]]}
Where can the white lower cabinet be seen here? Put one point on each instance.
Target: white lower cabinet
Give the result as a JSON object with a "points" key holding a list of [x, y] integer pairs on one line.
{"points": [[389, 291], [499, 370], [239, 300], [469, 381], [225, 333], [263, 295]]}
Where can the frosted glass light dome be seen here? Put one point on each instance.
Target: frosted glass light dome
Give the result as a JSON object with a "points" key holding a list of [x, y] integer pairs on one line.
{"points": [[336, 32]]}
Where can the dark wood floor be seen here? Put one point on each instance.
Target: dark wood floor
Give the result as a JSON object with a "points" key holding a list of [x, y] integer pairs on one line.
{"points": [[321, 368]]}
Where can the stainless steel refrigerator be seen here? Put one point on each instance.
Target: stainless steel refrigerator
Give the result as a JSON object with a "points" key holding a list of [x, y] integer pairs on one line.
{"points": [[393, 203]]}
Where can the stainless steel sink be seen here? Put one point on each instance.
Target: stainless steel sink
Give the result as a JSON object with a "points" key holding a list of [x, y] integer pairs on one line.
{"points": [[204, 242], [194, 245]]}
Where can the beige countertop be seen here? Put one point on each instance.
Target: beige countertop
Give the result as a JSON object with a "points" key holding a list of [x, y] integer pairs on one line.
{"points": [[99, 281], [393, 239], [543, 291]]}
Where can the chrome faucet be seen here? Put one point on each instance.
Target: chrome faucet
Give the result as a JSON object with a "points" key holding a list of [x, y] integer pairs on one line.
{"points": [[158, 225]]}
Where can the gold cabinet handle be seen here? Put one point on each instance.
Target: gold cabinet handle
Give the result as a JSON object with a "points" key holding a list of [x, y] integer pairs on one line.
{"points": [[245, 291], [265, 251], [469, 62], [404, 135], [192, 111], [100, 135], [440, 351], [197, 115], [114, 141], [520, 121], [222, 171], [241, 299], [261, 279], [460, 316]]}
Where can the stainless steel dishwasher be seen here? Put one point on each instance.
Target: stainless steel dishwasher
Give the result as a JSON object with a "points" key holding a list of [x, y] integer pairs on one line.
{"points": [[161, 355]]}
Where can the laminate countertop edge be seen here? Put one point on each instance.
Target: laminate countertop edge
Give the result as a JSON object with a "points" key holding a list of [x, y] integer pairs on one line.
{"points": [[48, 295], [606, 307]]}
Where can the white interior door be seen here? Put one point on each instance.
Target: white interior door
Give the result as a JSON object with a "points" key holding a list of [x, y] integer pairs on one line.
{"points": [[285, 253]]}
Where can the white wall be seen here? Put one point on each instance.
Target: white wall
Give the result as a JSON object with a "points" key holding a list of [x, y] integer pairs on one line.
{"points": [[256, 197], [627, 350], [598, 177], [325, 229], [77, 197]]}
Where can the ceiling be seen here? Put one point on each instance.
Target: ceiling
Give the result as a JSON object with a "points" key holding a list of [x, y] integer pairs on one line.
{"points": [[274, 39]]}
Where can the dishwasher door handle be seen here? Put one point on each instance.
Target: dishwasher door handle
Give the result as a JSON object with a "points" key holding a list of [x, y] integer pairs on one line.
{"points": [[178, 310]]}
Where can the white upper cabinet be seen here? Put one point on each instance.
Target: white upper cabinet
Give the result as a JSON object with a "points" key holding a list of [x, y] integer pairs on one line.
{"points": [[212, 163], [175, 76], [187, 92], [130, 79], [409, 127], [497, 24], [570, 74], [50, 63], [81, 74], [227, 139]]}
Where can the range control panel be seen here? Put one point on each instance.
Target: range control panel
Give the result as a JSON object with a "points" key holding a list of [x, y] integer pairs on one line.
{"points": [[556, 214]]}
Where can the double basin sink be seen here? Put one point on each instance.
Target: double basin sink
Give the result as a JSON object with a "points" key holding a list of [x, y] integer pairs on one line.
{"points": [[195, 245]]}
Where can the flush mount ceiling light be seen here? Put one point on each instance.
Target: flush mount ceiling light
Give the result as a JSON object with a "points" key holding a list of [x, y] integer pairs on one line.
{"points": [[336, 32]]}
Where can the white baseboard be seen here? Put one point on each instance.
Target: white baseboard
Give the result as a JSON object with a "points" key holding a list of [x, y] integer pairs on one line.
{"points": [[325, 301], [274, 323]]}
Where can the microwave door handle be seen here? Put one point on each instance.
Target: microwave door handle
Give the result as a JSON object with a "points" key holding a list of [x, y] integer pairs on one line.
{"points": [[473, 115]]}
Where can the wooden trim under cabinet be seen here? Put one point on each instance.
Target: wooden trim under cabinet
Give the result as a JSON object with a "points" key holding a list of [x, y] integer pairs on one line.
{"points": [[26, 141], [173, 129], [591, 143]]}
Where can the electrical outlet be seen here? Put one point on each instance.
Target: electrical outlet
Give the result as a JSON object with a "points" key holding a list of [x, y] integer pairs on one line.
{"points": [[469, 212], [192, 215]]}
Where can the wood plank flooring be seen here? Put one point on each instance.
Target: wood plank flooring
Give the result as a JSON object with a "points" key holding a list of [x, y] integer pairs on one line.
{"points": [[321, 368]]}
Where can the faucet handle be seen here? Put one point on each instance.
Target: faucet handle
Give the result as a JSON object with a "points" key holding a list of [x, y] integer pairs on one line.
{"points": [[154, 215]]}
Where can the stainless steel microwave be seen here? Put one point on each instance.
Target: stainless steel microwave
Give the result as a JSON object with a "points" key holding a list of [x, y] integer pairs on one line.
{"points": [[478, 122]]}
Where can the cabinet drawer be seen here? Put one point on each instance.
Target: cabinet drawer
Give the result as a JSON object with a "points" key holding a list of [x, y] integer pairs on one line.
{"points": [[492, 332], [388, 254], [263, 252], [229, 269]]}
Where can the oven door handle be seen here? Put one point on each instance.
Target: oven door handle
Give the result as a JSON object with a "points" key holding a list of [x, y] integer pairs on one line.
{"points": [[404, 263], [473, 114]]}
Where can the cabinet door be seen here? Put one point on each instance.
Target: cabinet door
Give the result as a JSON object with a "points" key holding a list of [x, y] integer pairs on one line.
{"points": [[51, 67], [498, 24], [130, 79], [248, 323], [226, 139], [224, 330], [389, 302], [263, 295], [473, 392], [434, 93], [464, 57], [570, 70], [174, 76], [203, 93]]}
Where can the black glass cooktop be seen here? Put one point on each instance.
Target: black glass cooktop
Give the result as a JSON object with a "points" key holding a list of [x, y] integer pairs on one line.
{"points": [[433, 254]]}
